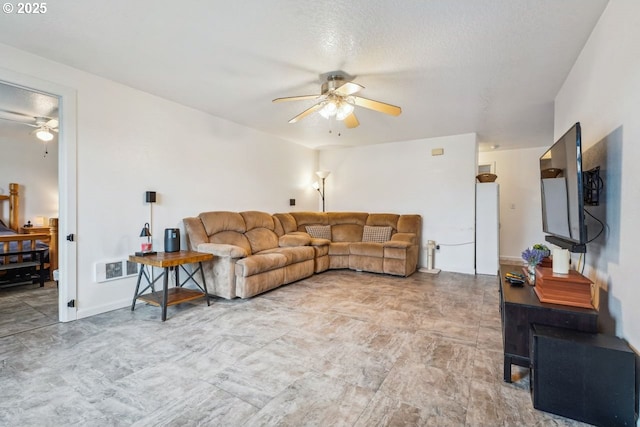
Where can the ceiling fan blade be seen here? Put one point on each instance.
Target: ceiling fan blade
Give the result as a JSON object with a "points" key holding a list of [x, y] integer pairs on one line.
{"points": [[15, 113], [18, 121], [377, 106], [53, 123], [296, 98], [349, 88], [351, 121], [306, 112]]}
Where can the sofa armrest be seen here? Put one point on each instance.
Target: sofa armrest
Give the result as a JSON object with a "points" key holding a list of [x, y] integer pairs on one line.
{"points": [[404, 237], [223, 250], [320, 242], [294, 239]]}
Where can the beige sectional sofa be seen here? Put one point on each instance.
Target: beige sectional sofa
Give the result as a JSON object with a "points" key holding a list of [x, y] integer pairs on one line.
{"points": [[256, 251]]}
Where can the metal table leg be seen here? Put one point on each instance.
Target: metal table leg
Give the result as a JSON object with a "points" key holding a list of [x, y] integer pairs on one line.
{"points": [[507, 369], [165, 291], [135, 295], [204, 284]]}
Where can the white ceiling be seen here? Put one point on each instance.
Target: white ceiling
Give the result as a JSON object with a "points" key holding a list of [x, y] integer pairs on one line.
{"points": [[454, 66], [19, 109]]}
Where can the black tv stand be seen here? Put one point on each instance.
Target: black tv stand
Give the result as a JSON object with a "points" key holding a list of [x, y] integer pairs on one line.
{"points": [[579, 248], [520, 308]]}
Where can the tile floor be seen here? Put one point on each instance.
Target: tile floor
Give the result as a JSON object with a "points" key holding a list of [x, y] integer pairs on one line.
{"points": [[338, 349], [23, 308]]}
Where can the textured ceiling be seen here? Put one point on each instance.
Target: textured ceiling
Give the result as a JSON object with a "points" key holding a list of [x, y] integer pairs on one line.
{"points": [[454, 66], [19, 109]]}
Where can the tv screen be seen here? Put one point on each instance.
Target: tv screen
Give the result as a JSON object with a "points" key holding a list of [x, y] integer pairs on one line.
{"points": [[562, 192]]}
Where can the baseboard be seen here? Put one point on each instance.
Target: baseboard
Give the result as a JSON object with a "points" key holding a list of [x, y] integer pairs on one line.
{"points": [[103, 308]]}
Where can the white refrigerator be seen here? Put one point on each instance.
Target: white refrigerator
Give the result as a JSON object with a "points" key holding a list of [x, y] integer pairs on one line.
{"points": [[487, 228]]}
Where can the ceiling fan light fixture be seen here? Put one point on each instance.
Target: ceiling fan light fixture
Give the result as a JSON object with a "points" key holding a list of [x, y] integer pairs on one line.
{"points": [[336, 99], [44, 134], [344, 109], [329, 109]]}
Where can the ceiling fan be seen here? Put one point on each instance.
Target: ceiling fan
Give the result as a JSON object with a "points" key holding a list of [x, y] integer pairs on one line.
{"points": [[337, 100], [44, 126]]}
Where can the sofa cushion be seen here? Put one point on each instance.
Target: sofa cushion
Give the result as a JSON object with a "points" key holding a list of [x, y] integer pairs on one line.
{"points": [[261, 239], [410, 224], [309, 218], [294, 255], [257, 219], [231, 238], [226, 228], [259, 263], [339, 248], [386, 220], [346, 233], [319, 231], [376, 234], [215, 222], [373, 249], [260, 226], [294, 239], [285, 223], [359, 218]]}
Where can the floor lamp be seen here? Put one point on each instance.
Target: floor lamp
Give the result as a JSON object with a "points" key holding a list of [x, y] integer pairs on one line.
{"points": [[322, 175]]}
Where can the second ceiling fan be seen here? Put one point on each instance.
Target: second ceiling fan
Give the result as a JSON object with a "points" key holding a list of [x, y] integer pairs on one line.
{"points": [[337, 100], [44, 126]]}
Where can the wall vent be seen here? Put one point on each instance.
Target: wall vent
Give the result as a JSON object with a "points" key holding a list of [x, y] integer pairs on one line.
{"points": [[106, 271]]}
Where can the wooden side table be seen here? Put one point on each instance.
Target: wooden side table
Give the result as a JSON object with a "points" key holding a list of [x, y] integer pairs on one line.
{"points": [[170, 261]]}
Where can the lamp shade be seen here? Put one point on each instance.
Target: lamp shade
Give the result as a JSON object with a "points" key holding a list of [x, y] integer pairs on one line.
{"points": [[146, 232], [323, 174]]}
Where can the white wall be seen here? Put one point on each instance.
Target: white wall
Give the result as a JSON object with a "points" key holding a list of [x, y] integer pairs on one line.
{"points": [[129, 142], [602, 91], [23, 161], [520, 206], [403, 177]]}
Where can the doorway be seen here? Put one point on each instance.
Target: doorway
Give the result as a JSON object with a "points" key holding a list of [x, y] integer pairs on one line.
{"points": [[66, 178], [29, 147]]}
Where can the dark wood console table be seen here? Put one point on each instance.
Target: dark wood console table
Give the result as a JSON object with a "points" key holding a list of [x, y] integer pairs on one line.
{"points": [[520, 308]]}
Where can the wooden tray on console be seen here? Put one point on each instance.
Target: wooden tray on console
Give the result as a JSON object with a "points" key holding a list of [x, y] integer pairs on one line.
{"points": [[571, 289]]}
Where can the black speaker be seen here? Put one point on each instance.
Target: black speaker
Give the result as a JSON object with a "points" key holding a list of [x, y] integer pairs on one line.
{"points": [[150, 197], [171, 239], [586, 377]]}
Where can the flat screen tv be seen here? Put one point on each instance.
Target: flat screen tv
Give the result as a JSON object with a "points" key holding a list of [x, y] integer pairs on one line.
{"points": [[561, 185]]}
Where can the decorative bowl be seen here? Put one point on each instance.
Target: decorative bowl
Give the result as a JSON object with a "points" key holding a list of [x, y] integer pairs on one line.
{"points": [[487, 177], [550, 172]]}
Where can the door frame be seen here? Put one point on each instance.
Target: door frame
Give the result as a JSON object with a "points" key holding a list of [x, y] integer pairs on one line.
{"points": [[67, 183]]}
